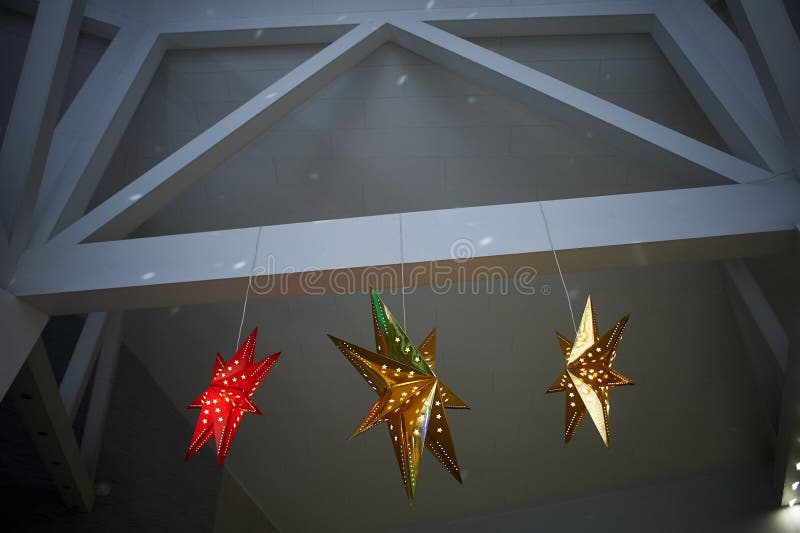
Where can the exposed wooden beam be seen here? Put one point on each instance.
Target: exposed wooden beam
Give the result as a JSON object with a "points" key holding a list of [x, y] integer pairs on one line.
{"points": [[714, 67], [135, 203], [90, 130], [34, 114], [626, 16], [774, 49], [703, 223], [589, 115]]}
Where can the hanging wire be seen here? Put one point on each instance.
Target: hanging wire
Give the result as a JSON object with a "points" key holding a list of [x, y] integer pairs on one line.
{"points": [[247, 291], [558, 265], [402, 272]]}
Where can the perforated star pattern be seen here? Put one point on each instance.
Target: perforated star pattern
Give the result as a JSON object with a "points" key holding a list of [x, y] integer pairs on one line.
{"points": [[588, 375], [412, 399], [223, 404]]}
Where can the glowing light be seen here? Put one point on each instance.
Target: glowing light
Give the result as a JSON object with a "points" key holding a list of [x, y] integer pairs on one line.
{"points": [[792, 502], [229, 412], [486, 240], [148, 275], [426, 390], [402, 79], [134, 197], [584, 352], [795, 484], [797, 467]]}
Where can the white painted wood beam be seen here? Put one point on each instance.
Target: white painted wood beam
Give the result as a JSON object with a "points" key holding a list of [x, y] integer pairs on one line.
{"points": [[36, 398], [696, 224], [774, 49], [759, 309], [589, 115], [714, 67], [89, 132], [135, 203], [270, 35], [34, 114], [20, 328], [101, 393], [81, 364], [578, 18], [761, 334]]}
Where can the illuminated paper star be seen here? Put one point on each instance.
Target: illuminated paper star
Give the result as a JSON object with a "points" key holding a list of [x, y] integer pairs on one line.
{"points": [[588, 375], [225, 401], [412, 399]]}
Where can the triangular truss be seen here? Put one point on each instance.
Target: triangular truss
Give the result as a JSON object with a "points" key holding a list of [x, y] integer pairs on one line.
{"points": [[605, 231]]}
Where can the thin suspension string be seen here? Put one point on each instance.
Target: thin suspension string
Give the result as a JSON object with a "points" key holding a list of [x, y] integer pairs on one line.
{"points": [[247, 291], [402, 272], [558, 265]]}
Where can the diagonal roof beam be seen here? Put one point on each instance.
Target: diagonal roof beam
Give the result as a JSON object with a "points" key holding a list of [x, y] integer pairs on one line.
{"points": [[714, 67], [89, 132], [143, 197], [590, 115], [774, 49], [703, 223], [34, 115]]}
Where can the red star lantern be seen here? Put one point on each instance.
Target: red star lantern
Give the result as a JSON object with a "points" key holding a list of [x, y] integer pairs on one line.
{"points": [[228, 397]]}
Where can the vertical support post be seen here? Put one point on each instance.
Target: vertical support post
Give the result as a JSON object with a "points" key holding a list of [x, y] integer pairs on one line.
{"points": [[787, 450]]}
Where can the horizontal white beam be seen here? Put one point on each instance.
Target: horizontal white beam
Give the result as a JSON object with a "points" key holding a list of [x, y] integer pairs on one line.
{"points": [[591, 116], [626, 16], [142, 198], [89, 132], [264, 36], [590, 233]]}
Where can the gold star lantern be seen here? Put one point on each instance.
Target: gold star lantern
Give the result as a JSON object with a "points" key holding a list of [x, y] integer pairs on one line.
{"points": [[412, 400], [588, 375]]}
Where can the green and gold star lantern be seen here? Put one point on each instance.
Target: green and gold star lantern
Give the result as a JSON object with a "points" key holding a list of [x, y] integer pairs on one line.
{"points": [[588, 376], [412, 399]]}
